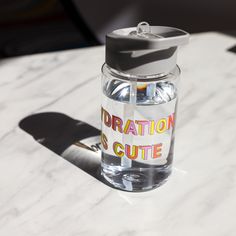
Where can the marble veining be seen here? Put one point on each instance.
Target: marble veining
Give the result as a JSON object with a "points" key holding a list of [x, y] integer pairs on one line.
{"points": [[43, 194]]}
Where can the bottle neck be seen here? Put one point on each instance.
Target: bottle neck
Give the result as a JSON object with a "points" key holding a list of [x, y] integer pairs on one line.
{"points": [[107, 70]]}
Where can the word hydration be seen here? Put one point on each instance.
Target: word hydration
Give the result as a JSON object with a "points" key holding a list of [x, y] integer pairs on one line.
{"points": [[135, 128]]}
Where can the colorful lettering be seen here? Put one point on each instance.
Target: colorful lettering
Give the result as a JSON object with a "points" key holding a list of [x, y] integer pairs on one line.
{"points": [[157, 150], [161, 126], [117, 145], [104, 141], [134, 154], [141, 126], [171, 121], [117, 124], [130, 127], [145, 151]]}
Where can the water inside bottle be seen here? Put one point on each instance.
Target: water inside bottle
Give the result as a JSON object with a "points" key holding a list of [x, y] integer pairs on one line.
{"points": [[133, 175]]}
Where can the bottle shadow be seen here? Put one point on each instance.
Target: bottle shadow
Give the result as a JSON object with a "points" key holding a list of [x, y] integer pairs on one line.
{"points": [[74, 140]]}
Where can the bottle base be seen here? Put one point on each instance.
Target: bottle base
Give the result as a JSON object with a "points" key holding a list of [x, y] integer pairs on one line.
{"points": [[135, 179]]}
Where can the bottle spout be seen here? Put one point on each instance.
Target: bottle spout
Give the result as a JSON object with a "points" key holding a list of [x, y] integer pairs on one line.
{"points": [[144, 30]]}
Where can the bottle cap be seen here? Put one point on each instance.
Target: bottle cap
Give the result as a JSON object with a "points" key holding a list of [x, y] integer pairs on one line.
{"points": [[144, 50]]}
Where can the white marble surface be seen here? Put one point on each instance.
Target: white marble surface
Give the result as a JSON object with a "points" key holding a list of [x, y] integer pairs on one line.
{"points": [[43, 194]]}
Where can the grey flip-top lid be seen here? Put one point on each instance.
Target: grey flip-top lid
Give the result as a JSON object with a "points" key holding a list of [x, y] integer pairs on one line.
{"points": [[145, 50]]}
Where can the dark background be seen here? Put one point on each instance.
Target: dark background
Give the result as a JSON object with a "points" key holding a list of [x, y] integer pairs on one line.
{"points": [[34, 26]]}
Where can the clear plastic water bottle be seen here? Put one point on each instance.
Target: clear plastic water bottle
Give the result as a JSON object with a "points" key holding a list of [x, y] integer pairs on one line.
{"points": [[139, 101]]}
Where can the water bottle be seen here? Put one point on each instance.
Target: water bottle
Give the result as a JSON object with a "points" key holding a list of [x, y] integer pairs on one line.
{"points": [[139, 101]]}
